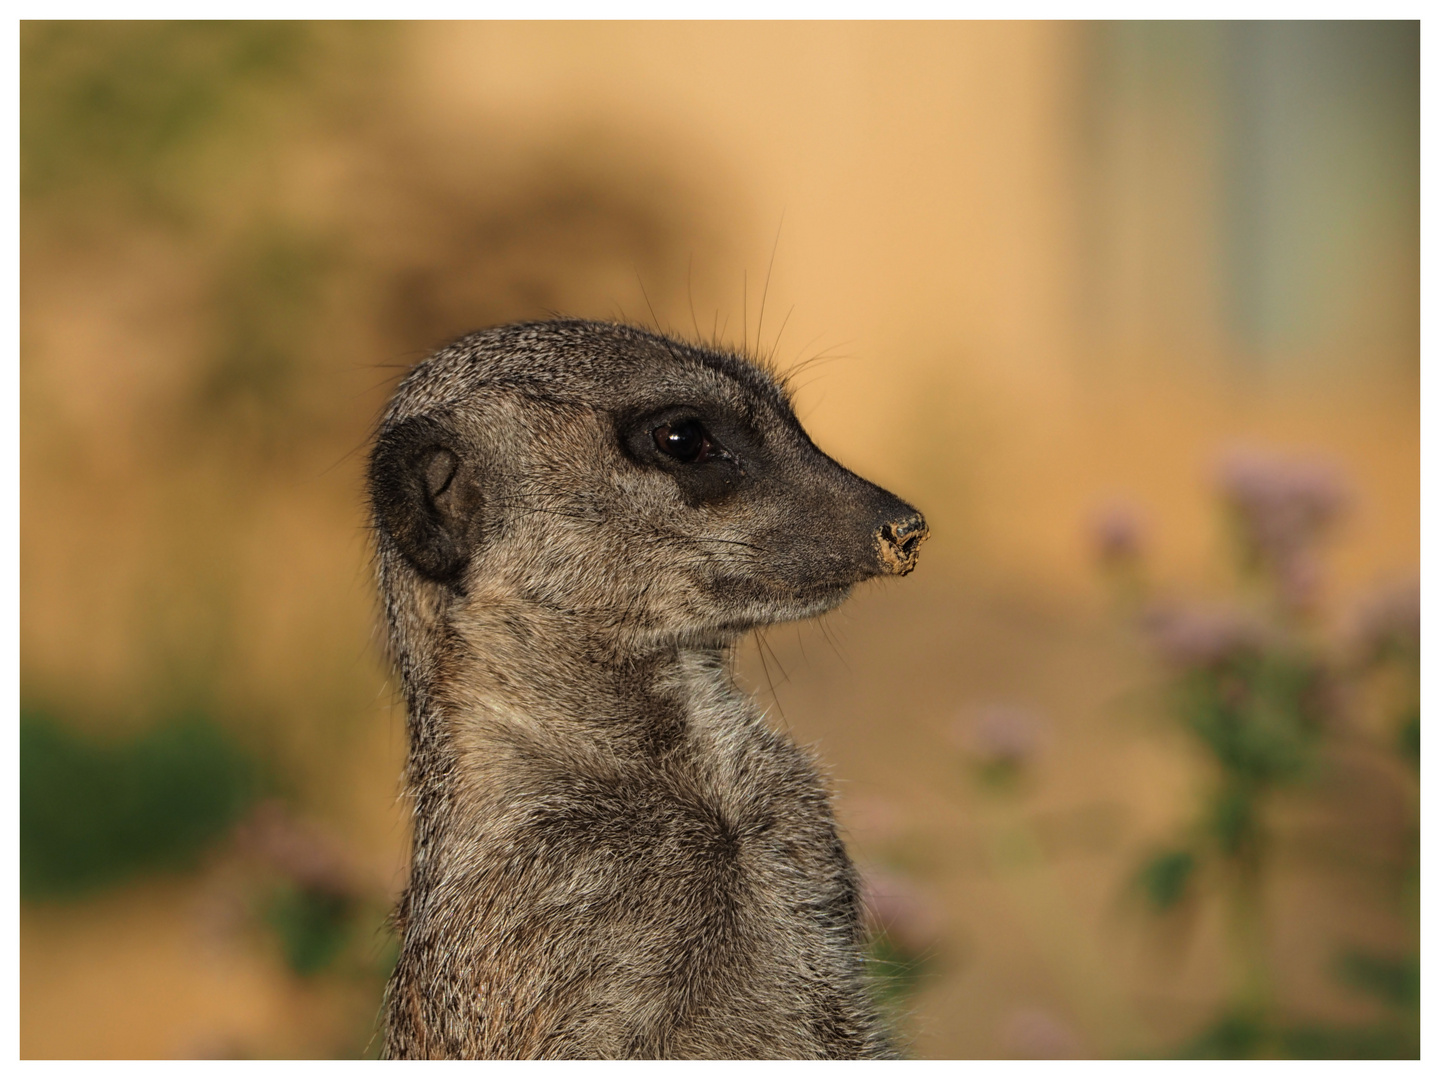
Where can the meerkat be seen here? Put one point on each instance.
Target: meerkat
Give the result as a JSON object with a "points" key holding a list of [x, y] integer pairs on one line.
{"points": [[614, 855]]}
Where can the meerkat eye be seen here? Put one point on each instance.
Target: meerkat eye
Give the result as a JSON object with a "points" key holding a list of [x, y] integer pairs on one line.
{"points": [[685, 440]]}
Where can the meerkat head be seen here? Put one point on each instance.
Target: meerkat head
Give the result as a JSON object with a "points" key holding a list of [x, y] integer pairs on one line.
{"points": [[655, 491]]}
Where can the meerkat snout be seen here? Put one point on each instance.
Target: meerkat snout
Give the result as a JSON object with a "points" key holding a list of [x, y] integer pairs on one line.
{"points": [[898, 543]]}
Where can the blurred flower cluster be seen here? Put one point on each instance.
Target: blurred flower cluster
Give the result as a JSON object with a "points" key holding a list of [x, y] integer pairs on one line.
{"points": [[1281, 509], [295, 882], [1263, 685], [1038, 1034], [897, 909], [1000, 740], [285, 885], [902, 920], [312, 898]]}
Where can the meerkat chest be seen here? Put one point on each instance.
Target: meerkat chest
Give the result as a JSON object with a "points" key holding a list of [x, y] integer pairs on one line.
{"points": [[738, 828], [650, 897]]}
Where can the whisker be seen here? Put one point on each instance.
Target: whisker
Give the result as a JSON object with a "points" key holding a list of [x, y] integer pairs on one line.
{"points": [[690, 297], [548, 510], [774, 697], [774, 349], [784, 675]]}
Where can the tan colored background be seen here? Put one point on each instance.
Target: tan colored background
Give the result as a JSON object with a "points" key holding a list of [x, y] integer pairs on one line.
{"points": [[1013, 248]]}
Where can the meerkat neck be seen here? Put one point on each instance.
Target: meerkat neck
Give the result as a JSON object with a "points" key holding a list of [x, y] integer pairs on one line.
{"points": [[526, 662], [517, 704]]}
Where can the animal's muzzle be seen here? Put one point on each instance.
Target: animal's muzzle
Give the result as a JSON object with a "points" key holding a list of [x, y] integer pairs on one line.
{"points": [[897, 543]]}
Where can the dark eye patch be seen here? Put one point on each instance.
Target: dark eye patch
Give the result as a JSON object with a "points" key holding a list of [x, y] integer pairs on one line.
{"points": [[706, 451], [686, 441]]}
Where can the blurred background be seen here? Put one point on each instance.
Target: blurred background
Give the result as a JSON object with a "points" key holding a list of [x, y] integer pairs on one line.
{"points": [[1131, 311]]}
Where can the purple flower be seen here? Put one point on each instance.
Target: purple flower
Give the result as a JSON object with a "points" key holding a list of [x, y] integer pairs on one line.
{"points": [[301, 852], [895, 907], [1038, 1034], [1283, 506], [1001, 736], [1117, 534], [1388, 620], [1202, 637]]}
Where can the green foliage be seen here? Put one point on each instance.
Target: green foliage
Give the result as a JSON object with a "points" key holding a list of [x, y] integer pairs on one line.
{"points": [[1255, 714], [93, 813], [122, 104], [1233, 1035], [1257, 689], [1165, 879], [1234, 820], [1002, 775], [1243, 1035], [1378, 1042], [1393, 980], [894, 971], [1409, 738], [267, 300], [313, 926]]}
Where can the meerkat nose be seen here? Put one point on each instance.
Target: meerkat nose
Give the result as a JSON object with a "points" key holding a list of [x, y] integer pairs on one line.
{"points": [[898, 543]]}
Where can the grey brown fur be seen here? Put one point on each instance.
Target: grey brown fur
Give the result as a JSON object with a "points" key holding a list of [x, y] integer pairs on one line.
{"points": [[613, 855]]}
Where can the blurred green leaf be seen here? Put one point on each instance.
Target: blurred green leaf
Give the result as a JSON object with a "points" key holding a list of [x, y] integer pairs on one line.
{"points": [[313, 926], [1256, 716], [1165, 879], [1242, 1035], [122, 104], [1394, 980], [1233, 820], [1409, 740], [1234, 1035], [1379, 1043], [268, 298], [894, 972], [95, 812]]}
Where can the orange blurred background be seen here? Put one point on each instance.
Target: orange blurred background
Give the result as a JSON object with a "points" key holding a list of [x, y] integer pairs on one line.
{"points": [[1031, 268]]}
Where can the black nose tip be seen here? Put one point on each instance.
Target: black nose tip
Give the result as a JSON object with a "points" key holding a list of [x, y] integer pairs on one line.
{"points": [[898, 543]]}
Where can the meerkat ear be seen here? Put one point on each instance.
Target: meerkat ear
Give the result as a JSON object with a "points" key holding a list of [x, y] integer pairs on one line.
{"points": [[426, 497]]}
